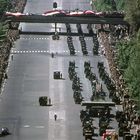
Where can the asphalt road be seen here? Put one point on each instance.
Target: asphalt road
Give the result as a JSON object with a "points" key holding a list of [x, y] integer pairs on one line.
{"points": [[30, 75]]}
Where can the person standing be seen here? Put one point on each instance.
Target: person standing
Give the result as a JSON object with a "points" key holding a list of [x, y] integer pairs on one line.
{"points": [[5, 76], [55, 117], [52, 55], [49, 101], [61, 75], [12, 57]]}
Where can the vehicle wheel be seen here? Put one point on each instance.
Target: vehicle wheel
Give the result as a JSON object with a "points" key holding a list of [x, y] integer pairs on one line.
{"points": [[4, 131], [57, 37], [54, 37], [83, 134]]}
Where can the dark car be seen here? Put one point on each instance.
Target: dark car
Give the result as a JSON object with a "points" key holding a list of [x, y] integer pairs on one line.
{"points": [[4, 131]]}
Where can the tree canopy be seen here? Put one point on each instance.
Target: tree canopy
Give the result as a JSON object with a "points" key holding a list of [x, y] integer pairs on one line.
{"points": [[130, 7], [129, 63], [105, 5], [5, 5], [132, 10]]}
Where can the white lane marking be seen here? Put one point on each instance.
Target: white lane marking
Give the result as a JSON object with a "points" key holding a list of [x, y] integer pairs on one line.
{"points": [[39, 51], [33, 38], [40, 126], [26, 126], [37, 126]]}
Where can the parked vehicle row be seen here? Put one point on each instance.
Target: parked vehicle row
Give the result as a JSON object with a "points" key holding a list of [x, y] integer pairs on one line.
{"points": [[95, 39], [76, 84], [69, 40], [108, 81], [83, 45], [97, 91], [70, 45], [103, 113]]}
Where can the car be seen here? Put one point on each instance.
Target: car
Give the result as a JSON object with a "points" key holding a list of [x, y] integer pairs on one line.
{"points": [[14, 14], [56, 36], [100, 14], [89, 13], [4, 131], [75, 13], [54, 13]]}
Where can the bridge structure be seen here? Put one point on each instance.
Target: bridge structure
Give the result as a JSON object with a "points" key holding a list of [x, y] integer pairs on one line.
{"points": [[67, 19], [64, 20]]}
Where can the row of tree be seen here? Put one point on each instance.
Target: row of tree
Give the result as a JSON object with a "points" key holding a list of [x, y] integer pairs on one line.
{"points": [[5, 5], [130, 8], [129, 63], [129, 51], [105, 5]]}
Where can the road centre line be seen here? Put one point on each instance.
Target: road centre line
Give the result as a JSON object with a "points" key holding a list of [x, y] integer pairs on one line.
{"points": [[48, 38], [37, 126], [40, 126], [36, 51], [41, 51], [26, 126]]}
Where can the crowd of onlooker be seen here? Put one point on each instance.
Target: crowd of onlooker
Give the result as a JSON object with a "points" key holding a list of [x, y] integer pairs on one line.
{"points": [[7, 43], [108, 36]]}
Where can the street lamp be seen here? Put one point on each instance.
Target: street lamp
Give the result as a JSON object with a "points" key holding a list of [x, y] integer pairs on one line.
{"points": [[92, 4]]}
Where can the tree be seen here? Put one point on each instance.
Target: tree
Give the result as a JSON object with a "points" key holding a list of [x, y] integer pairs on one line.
{"points": [[132, 10], [128, 60], [5, 5], [105, 5], [120, 5]]}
